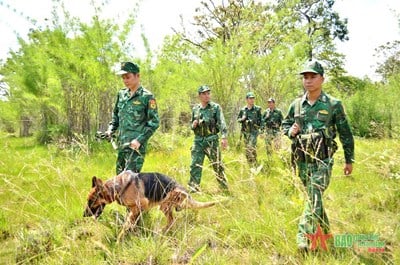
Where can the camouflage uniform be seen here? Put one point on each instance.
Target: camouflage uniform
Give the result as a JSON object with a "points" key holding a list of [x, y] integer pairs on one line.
{"points": [[271, 122], [206, 141], [313, 149], [134, 117], [250, 120]]}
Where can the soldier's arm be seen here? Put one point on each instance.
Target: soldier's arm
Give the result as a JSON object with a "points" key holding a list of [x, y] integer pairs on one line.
{"points": [[258, 121], [114, 123], [240, 116], [221, 122], [193, 124], [280, 118], [263, 121], [288, 121], [153, 120], [344, 130]]}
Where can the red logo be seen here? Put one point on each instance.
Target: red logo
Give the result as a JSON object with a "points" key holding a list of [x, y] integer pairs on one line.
{"points": [[318, 236]]}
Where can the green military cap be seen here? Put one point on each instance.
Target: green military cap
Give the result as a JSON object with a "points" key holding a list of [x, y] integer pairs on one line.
{"points": [[128, 67], [312, 67], [203, 88], [250, 95]]}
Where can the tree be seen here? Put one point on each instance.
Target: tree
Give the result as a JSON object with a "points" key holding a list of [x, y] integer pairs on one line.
{"points": [[62, 76], [390, 54]]}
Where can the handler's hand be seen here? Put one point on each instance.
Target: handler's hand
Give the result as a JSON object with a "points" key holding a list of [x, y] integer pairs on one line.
{"points": [[348, 168], [135, 144]]}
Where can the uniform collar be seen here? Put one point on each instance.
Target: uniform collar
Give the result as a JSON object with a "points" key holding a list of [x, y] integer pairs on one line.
{"points": [[322, 97], [206, 106], [138, 91], [247, 107]]}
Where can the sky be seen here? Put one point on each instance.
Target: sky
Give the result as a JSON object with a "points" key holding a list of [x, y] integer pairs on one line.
{"points": [[371, 23]]}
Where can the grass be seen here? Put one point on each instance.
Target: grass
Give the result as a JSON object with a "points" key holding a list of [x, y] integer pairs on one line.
{"points": [[43, 192]]}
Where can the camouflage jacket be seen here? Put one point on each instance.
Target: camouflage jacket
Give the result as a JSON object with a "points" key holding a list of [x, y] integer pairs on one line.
{"points": [[211, 120], [134, 117], [272, 119], [253, 118], [325, 115]]}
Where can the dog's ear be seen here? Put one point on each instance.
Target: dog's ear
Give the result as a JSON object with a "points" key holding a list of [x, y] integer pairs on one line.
{"points": [[96, 182]]}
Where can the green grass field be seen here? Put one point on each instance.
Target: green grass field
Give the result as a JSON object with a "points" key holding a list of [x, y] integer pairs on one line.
{"points": [[43, 192]]}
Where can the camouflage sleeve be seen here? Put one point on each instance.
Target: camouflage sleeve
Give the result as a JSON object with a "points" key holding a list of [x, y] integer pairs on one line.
{"points": [[258, 121], [345, 134], [221, 122], [263, 121], [193, 117], [153, 120], [280, 118], [240, 115], [288, 121], [114, 123]]}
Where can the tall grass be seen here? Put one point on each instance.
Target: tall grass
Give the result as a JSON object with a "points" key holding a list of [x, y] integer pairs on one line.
{"points": [[43, 192]]}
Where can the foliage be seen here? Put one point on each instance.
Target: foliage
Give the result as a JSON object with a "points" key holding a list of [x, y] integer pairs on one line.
{"points": [[43, 223], [62, 83], [61, 78], [390, 53], [373, 111]]}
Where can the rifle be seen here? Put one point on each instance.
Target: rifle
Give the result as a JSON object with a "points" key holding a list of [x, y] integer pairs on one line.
{"points": [[102, 136]]}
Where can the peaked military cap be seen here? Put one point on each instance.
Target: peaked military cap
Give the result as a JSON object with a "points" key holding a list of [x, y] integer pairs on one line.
{"points": [[312, 67], [271, 100], [250, 95], [203, 88], [128, 67]]}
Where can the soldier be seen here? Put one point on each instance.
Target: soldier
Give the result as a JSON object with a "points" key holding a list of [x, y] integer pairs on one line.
{"points": [[135, 119], [250, 118], [312, 123], [207, 121], [271, 122]]}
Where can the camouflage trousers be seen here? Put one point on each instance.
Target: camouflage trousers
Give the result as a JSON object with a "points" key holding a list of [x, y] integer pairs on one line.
{"points": [[315, 178], [250, 141], [206, 146], [272, 140], [129, 159]]}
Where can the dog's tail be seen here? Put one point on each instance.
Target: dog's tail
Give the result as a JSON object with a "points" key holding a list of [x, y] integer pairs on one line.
{"points": [[190, 203]]}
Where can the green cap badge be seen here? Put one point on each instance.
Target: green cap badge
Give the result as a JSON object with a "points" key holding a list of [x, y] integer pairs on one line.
{"points": [[203, 88], [313, 67], [250, 95], [128, 67]]}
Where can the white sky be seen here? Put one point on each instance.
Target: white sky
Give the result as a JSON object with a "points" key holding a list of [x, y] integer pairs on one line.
{"points": [[371, 23]]}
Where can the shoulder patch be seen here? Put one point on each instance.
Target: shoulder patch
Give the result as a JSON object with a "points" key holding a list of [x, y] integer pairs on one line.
{"points": [[152, 103]]}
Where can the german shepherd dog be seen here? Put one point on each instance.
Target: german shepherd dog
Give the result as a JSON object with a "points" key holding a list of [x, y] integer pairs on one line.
{"points": [[140, 192]]}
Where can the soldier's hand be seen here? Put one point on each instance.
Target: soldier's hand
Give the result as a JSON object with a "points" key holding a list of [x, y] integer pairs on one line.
{"points": [[224, 143], [294, 130], [134, 144], [348, 168], [195, 123]]}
